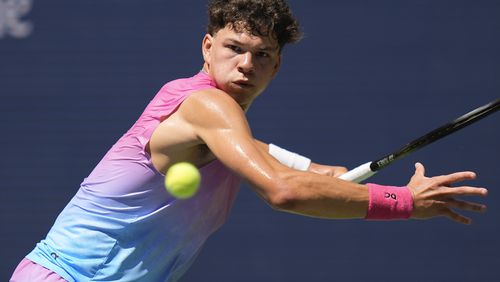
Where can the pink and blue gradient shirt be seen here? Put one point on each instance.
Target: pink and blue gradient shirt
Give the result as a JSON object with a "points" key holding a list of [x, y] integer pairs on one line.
{"points": [[122, 225]]}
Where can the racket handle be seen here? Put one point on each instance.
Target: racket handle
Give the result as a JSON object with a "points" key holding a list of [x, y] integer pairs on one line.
{"points": [[359, 173]]}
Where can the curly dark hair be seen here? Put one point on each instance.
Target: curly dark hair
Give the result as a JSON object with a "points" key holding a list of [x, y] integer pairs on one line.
{"points": [[257, 17]]}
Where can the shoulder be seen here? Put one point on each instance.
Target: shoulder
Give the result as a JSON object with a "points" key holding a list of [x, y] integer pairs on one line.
{"points": [[189, 84], [212, 97], [211, 106]]}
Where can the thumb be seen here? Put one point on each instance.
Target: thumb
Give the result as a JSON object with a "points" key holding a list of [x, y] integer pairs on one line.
{"points": [[419, 169]]}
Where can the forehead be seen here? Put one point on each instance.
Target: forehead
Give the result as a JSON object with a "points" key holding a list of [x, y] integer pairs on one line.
{"points": [[229, 34]]}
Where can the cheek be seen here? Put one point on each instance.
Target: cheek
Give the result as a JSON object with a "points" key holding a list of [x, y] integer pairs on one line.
{"points": [[220, 76], [225, 67], [219, 62]]}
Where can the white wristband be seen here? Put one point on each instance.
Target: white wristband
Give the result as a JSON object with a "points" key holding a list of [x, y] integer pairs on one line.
{"points": [[290, 159]]}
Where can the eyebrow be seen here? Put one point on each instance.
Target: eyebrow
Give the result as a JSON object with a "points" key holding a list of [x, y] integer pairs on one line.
{"points": [[266, 48]]}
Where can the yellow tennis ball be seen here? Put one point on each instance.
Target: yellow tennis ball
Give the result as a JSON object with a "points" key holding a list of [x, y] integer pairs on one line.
{"points": [[182, 180]]}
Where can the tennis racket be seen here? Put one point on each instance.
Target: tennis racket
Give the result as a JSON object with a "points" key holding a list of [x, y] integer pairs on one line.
{"points": [[368, 169]]}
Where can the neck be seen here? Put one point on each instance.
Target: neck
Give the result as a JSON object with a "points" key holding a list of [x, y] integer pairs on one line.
{"points": [[205, 68]]}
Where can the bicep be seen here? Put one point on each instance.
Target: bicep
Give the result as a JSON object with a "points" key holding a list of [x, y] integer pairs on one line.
{"points": [[221, 124]]}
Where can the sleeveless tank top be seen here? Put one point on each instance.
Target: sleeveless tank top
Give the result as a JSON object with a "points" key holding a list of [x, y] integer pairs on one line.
{"points": [[122, 225]]}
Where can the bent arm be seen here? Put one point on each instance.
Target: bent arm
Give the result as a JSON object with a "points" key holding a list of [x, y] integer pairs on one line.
{"points": [[335, 171]]}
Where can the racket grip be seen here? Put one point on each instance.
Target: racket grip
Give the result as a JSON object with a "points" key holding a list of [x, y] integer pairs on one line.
{"points": [[359, 173]]}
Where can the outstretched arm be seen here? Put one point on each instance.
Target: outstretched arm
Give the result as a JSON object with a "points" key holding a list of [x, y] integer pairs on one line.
{"points": [[220, 123]]}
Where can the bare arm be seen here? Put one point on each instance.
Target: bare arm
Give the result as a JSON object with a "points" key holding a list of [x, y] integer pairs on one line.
{"points": [[328, 170], [221, 124]]}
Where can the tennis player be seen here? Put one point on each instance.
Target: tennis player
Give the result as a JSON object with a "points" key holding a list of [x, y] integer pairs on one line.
{"points": [[123, 226]]}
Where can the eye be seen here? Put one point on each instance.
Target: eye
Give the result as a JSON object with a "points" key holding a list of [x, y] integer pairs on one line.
{"points": [[263, 54], [234, 48]]}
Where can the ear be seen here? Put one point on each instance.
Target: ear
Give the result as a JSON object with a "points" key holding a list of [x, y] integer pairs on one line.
{"points": [[206, 47]]}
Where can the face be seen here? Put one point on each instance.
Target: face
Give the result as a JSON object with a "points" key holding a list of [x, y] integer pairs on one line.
{"points": [[241, 64]]}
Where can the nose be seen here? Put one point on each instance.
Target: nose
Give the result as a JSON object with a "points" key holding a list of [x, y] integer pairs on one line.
{"points": [[246, 63]]}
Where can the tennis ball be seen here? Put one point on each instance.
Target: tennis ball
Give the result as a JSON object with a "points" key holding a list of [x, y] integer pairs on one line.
{"points": [[182, 180]]}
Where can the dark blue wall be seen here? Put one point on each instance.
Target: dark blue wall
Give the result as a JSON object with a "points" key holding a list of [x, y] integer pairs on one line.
{"points": [[368, 77]]}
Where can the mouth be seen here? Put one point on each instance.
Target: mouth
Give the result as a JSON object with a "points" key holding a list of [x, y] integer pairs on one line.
{"points": [[243, 83]]}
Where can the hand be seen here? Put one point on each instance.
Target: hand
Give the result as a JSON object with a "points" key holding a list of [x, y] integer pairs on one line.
{"points": [[434, 197], [334, 171]]}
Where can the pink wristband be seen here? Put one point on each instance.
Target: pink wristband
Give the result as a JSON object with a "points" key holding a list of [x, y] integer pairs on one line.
{"points": [[389, 202]]}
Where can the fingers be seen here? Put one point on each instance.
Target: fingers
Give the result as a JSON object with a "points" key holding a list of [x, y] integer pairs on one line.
{"points": [[461, 191], [434, 196], [445, 180], [465, 205], [446, 205], [455, 177], [457, 217], [419, 169]]}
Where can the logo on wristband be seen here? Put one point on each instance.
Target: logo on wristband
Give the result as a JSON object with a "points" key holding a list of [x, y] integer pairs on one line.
{"points": [[390, 195]]}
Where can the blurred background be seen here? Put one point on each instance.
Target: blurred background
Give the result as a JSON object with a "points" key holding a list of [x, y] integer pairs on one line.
{"points": [[368, 77]]}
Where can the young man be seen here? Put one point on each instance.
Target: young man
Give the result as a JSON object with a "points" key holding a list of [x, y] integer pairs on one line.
{"points": [[123, 226]]}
